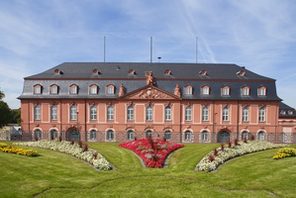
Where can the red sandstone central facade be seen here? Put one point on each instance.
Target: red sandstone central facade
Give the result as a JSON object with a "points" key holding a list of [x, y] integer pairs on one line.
{"points": [[147, 110]]}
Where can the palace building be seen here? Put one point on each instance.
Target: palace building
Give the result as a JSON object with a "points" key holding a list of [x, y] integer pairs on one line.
{"points": [[189, 103]]}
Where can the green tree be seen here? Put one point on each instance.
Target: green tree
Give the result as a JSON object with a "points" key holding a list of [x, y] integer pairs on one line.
{"points": [[15, 116], [2, 95], [5, 114]]}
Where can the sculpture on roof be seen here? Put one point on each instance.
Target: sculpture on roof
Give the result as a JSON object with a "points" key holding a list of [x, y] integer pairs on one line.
{"points": [[177, 91], [121, 90], [150, 79]]}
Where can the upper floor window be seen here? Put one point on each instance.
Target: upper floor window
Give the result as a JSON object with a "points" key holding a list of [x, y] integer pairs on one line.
{"points": [[37, 112], [290, 112], [225, 91], [54, 89], [73, 89], [261, 91], [205, 113], [262, 114], [130, 113], [188, 113], [37, 89], [110, 113], [283, 112], [93, 112], [225, 113], [73, 112], [245, 91], [93, 89], [168, 113], [245, 114], [149, 113], [54, 112], [188, 90], [205, 90], [110, 90]]}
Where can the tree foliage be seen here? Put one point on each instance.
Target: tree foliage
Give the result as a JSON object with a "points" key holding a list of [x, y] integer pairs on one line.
{"points": [[8, 115]]}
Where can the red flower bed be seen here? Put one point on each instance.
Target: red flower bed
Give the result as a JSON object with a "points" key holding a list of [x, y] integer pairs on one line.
{"points": [[152, 151]]}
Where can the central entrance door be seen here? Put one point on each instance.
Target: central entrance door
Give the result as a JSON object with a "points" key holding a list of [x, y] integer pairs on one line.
{"points": [[73, 134], [223, 137]]}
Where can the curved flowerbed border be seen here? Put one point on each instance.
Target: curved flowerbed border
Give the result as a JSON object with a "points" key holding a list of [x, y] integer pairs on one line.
{"points": [[16, 150], [220, 155], [80, 151]]}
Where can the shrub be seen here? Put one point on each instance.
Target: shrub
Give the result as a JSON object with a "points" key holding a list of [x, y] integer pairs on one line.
{"points": [[229, 145], [222, 147], [285, 152]]}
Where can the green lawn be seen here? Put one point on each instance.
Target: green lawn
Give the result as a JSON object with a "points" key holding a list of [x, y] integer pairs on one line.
{"points": [[59, 175]]}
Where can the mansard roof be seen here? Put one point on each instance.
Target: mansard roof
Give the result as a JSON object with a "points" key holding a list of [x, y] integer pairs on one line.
{"points": [[286, 111], [83, 70]]}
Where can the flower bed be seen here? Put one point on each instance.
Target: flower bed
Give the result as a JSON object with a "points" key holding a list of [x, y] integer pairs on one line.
{"points": [[78, 150], [16, 150], [152, 151], [220, 155], [285, 152]]}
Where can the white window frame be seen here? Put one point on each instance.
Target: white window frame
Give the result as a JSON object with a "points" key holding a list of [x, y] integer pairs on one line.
{"points": [[262, 114], [93, 135], [188, 114], [54, 89], [225, 114], [245, 114], [188, 90], [93, 112], [73, 112], [204, 136], [225, 91], [110, 90], [149, 113], [37, 112], [205, 113], [130, 113], [54, 112], [245, 91], [205, 90], [130, 135], [168, 113], [93, 90], [37, 89], [110, 113], [73, 89], [167, 133], [261, 91]]}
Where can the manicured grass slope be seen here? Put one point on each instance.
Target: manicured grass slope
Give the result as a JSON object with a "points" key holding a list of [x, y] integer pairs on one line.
{"points": [[58, 175]]}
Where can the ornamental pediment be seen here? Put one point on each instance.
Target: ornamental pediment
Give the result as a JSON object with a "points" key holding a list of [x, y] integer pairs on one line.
{"points": [[150, 92]]}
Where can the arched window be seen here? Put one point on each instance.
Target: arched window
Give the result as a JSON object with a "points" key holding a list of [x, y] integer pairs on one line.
{"points": [[93, 135], [204, 136], [93, 112], [245, 91], [225, 113], [262, 114], [93, 90], [54, 89], [130, 113], [261, 135], [245, 114], [73, 89], [188, 113], [110, 113], [130, 135], [261, 91], [245, 135], [168, 113], [188, 90], [225, 91], [205, 113], [110, 90], [149, 113], [188, 136], [37, 89], [37, 134], [110, 135], [73, 112], [37, 112], [53, 134], [53, 112], [148, 134], [167, 135], [205, 90]]}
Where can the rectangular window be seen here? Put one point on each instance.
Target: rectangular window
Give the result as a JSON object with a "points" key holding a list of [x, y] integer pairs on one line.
{"points": [[93, 112], [225, 91], [168, 114], [225, 114], [110, 113], [245, 114], [54, 112], [130, 113], [262, 114], [149, 113], [261, 91], [93, 90], [37, 112], [73, 112], [205, 114], [188, 114]]}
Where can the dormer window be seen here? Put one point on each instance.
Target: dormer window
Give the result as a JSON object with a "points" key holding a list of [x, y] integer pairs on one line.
{"points": [[203, 72], [58, 72], [261, 91], [205, 90], [110, 90], [188, 90], [283, 112], [96, 72], [245, 91], [73, 89], [225, 91], [132, 72], [54, 89], [37, 89], [290, 112], [241, 73], [168, 72], [93, 89]]}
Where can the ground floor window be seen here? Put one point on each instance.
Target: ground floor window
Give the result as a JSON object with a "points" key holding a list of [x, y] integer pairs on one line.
{"points": [[148, 134], [53, 134], [261, 136], [37, 134], [245, 135], [223, 137], [204, 136], [130, 135], [167, 135], [188, 136], [110, 135], [93, 135]]}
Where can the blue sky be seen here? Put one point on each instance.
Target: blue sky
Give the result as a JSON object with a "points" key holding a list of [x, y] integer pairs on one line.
{"points": [[36, 35]]}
